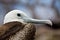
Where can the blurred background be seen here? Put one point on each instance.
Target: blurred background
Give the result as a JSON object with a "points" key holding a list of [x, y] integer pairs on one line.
{"points": [[38, 9]]}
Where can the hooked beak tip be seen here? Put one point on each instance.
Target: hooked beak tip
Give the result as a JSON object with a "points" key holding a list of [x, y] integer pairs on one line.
{"points": [[50, 22]]}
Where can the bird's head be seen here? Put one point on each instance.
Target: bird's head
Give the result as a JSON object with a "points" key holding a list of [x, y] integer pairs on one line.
{"points": [[20, 16]]}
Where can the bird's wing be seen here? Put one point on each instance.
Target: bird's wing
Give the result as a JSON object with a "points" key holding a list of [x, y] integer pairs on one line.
{"points": [[9, 29]]}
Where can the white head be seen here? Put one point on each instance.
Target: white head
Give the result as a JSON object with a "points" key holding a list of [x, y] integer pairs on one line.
{"points": [[20, 16]]}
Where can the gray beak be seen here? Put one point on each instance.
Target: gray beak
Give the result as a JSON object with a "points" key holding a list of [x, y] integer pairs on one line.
{"points": [[36, 21]]}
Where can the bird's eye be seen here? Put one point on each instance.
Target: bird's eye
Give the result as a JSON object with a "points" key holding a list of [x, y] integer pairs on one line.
{"points": [[18, 15]]}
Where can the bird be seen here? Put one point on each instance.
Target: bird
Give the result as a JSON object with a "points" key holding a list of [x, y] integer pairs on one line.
{"points": [[19, 26]]}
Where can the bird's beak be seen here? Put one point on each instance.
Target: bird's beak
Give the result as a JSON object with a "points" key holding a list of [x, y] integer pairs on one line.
{"points": [[36, 21]]}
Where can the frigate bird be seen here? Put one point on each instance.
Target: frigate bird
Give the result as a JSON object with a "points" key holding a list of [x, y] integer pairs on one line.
{"points": [[18, 26]]}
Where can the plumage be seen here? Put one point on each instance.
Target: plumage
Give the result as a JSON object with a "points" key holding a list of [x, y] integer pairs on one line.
{"points": [[18, 26], [11, 29]]}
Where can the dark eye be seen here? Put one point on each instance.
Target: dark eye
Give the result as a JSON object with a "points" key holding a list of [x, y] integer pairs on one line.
{"points": [[18, 15]]}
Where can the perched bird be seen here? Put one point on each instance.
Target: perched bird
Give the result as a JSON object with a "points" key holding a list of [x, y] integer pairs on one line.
{"points": [[18, 26]]}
